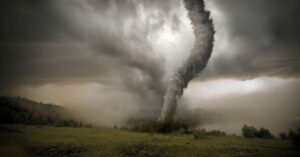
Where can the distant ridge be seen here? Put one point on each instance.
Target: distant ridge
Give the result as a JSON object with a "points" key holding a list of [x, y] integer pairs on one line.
{"points": [[22, 110]]}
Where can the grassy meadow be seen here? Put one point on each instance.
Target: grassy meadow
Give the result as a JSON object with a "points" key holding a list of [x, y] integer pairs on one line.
{"points": [[45, 141]]}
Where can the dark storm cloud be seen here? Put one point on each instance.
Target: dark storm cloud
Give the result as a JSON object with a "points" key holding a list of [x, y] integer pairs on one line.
{"points": [[263, 39], [140, 73], [32, 37], [56, 41], [33, 21]]}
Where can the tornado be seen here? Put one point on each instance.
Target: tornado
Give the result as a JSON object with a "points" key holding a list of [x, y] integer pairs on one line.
{"points": [[203, 29]]}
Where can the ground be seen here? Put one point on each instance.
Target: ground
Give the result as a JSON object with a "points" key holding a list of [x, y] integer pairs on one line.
{"points": [[25, 140]]}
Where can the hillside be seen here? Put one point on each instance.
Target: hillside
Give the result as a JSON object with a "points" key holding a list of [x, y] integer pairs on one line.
{"points": [[22, 110]]}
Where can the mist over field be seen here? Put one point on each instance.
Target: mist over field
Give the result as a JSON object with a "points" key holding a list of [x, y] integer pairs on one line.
{"points": [[108, 61]]}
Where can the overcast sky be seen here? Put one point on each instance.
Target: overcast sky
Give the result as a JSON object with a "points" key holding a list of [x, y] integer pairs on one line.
{"points": [[114, 58]]}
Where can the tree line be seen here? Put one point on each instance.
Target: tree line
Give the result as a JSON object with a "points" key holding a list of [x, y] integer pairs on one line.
{"points": [[20, 110]]}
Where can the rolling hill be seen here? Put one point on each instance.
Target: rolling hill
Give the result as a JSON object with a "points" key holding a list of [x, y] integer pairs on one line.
{"points": [[22, 110]]}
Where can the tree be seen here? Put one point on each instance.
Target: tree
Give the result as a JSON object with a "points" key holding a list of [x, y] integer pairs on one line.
{"points": [[283, 136], [295, 138], [264, 133], [249, 131]]}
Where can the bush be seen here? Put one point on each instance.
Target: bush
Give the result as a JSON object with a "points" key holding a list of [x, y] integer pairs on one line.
{"points": [[200, 134], [283, 136], [294, 136], [249, 131], [203, 134], [264, 133], [216, 133], [153, 125], [252, 132]]}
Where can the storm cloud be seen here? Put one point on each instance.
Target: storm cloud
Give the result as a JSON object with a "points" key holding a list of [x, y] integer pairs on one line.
{"points": [[70, 42], [45, 41], [114, 58], [255, 38]]}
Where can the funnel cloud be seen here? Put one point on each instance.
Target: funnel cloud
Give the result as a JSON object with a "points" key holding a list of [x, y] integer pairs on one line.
{"points": [[204, 38]]}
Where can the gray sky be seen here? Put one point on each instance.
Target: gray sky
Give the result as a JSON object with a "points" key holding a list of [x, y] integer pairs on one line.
{"points": [[113, 58]]}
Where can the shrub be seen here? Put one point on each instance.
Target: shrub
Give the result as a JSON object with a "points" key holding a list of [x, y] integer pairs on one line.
{"points": [[216, 133], [203, 134], [294, 136], [153, 125], [283, 136], [249, 131], [264, 133], [252, 132], [200, 134]]}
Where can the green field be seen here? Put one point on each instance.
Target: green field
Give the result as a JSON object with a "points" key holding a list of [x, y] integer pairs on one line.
{"points": [[26, 140]]}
